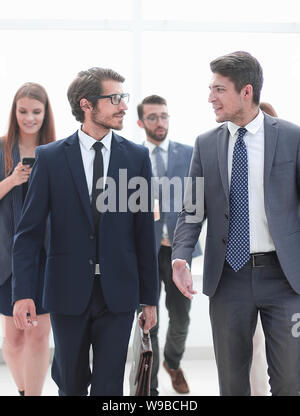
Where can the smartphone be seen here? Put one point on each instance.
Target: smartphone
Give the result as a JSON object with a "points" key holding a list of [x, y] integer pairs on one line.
{"points": [[28, 161]]}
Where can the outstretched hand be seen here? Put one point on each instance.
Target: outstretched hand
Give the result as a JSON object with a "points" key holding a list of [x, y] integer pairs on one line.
{"points": [[182, 278]]}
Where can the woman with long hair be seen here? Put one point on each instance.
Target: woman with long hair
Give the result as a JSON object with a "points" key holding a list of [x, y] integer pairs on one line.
{"points": [[31, 124]]}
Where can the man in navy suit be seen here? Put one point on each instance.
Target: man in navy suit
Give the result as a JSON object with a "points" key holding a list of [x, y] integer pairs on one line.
{"points": [[170, 160], [100, 265]]}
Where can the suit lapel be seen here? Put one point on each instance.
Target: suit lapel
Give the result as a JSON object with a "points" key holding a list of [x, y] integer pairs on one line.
{"points": [[271, 137], [116, 157], [172, 156], [74, 158], [222, 146], [117, 161]]}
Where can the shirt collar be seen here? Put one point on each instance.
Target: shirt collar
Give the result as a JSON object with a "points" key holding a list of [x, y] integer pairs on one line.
{"points": [[251, 127], [88, 141], [164, 145]]}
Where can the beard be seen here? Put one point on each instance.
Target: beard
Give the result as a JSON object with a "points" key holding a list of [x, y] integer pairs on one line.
{"points": [[158, 137], [108, 123]]}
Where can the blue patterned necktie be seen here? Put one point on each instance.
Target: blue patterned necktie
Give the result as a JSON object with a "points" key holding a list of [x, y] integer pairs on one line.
{"points": [[238, 246]]}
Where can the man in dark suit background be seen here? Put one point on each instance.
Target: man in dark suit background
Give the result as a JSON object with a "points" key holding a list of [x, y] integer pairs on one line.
{"points": [[170, 160], [251, 170], [100, 265]]}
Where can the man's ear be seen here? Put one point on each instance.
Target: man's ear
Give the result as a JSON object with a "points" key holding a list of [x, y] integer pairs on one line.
{"points": [[140, 124], [248, 91], [85, 105]]}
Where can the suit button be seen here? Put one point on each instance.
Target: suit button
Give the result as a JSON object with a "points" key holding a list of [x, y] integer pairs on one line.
{"points": [[91, 261], [92, 237], [226, 215], [224, 240]]}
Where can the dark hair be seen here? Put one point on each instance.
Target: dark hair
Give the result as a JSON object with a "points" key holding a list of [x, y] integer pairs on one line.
{"points": [[268, 108], [47, 130], [242, 69], [88, 84], [151, 99]]}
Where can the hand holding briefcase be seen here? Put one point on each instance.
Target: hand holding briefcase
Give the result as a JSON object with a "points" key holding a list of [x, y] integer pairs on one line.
{"points": [[140, 373]]}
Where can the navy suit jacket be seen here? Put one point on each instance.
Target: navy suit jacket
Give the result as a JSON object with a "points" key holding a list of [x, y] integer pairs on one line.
{"points": [[179, 159], [127, 251]]}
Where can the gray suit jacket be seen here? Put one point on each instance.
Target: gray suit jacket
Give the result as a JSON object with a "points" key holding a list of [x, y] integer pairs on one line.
{"points": [[10, 213], [281, 195], [179, 159]]}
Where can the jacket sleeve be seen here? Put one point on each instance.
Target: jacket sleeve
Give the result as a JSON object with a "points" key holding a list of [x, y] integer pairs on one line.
{"points": [[30, 234], [192, 216]]}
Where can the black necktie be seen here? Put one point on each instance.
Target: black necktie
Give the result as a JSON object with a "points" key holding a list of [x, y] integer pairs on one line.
{"points": [[97, 174]]}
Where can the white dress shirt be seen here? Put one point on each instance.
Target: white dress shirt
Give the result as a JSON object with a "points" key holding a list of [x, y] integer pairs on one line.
{"points": [[260, 238], [88, 154]]}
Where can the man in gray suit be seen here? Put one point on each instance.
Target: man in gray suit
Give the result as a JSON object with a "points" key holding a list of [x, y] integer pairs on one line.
{"points": [[170, 161], [251, 170]]}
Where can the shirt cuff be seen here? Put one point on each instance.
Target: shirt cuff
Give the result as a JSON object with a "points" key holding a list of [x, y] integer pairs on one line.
{"points": [[186, 264]]}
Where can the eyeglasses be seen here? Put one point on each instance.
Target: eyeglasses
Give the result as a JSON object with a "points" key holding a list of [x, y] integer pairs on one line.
{"points": [[153, 118], [116, 98]]}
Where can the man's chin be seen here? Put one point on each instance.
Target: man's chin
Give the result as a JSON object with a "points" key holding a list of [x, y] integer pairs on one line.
{"points": [[220, 119], [117, 126], [160, 138]]}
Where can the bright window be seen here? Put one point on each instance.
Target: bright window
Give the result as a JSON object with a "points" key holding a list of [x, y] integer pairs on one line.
{"points": [[159, 46], [53, 58], [67, 9], [229, 10], [176, 65]]}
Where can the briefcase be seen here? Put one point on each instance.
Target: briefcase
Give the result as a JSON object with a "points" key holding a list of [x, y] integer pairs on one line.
{"points": [[140, 372]]}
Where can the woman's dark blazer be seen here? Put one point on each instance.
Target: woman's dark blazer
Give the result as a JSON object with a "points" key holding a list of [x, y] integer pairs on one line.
{"points": [[10, 213]]}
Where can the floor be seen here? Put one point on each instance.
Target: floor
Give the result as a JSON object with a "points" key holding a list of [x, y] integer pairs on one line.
{"points": [[200, 374]]}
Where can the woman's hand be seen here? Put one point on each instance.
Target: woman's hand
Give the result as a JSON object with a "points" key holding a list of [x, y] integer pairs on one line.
{"points": [[20, 174]]}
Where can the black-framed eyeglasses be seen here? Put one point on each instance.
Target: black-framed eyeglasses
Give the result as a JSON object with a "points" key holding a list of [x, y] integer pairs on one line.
{"points": [[116, 98], [153, 118]]}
